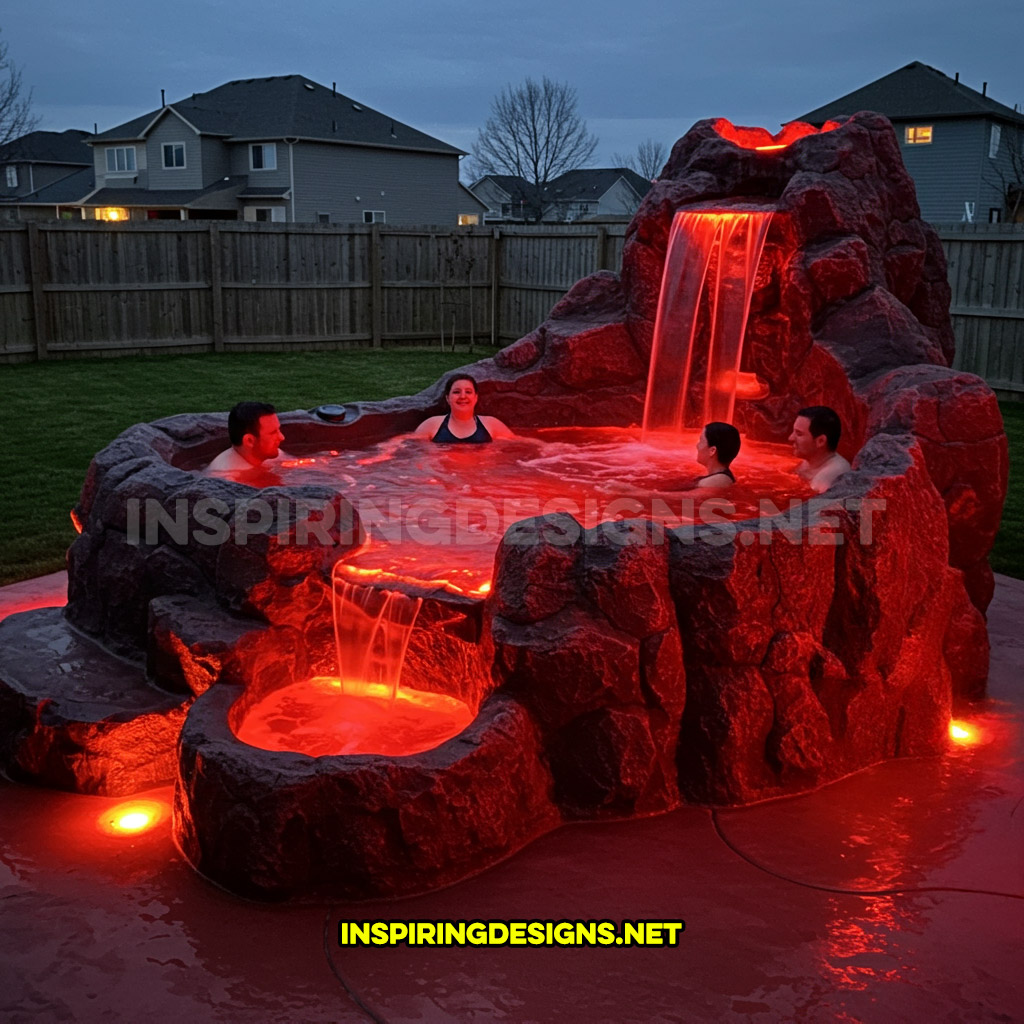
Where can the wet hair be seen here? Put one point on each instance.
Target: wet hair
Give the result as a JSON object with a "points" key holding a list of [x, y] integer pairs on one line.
{"points": [[245, 419], [725, 439], [450, 383], [824, 421]]}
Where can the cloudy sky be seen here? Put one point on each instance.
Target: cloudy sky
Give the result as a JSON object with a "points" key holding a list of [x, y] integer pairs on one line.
{"points": [[642, 69]]}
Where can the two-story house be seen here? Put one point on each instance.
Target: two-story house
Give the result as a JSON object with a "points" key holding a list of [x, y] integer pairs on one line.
{"points": [[43, 174], [964, 150], [274, 149], [606, 193], [601, 193]]}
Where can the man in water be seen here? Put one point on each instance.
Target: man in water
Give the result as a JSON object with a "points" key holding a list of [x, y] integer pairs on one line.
{"points": [[815, 438], [255, 434]]}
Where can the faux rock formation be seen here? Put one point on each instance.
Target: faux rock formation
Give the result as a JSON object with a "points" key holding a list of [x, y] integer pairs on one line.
{"points": [[615, 671]]}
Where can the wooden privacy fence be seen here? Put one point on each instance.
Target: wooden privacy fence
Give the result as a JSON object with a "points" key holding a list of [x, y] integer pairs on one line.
{"points": [[986, 275], [71, 288]]}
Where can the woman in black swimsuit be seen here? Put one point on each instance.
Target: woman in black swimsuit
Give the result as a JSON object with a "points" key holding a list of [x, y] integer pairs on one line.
{"points": [[717, 446], [461, 425]]}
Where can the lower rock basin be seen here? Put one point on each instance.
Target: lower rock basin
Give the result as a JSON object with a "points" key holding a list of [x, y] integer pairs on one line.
{"points": [[323, 716]]}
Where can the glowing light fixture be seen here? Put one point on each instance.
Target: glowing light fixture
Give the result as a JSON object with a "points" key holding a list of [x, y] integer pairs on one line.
{"points": [[961, 732], [132, 817], [112, 213]]}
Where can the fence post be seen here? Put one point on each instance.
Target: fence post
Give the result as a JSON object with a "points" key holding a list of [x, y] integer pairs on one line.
{"points": [[602, 248], [216, 290], [37, 275], [376, 292], [494, 258]]}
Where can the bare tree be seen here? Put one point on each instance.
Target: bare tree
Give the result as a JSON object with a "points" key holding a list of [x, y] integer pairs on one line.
{"points": [[647, 161], [534, 132], [15, 110], [1006, 173]]}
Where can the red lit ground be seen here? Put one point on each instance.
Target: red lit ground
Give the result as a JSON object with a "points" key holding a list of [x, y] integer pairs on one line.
{"points": [[436, 513], [896, 894]]}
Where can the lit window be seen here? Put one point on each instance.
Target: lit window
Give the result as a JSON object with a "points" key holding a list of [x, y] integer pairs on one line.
{"points": [[993, 141], [468, 219], [263, 156], [919, 135], [174, 154], [120, 159], [112, 213], [373, 216], [12, 176]]}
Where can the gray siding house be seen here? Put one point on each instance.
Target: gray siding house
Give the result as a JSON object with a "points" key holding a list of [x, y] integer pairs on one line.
{"points": [[43, 174], [274, 149], [596, 193], [964, 150]]}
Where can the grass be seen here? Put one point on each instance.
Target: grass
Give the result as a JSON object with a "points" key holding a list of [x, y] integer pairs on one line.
{"points": [[58, 415], [1008, 552]]}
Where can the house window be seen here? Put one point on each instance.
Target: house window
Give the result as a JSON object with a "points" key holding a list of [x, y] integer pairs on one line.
{"points": [[373, 216], [323, 218], [918, 135], [120, 159], [995, 215], [468, 219], [993, 141], [263, 156], [12, 176], [174, 154], [116, 213]]}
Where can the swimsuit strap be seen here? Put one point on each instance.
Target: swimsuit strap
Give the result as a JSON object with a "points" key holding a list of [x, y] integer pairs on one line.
{"points": [[444, 434]]}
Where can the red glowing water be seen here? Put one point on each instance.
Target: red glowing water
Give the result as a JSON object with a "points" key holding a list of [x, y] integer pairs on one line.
{"points": [[712, 255], [435, 514], [762, 139], [318, 717]]}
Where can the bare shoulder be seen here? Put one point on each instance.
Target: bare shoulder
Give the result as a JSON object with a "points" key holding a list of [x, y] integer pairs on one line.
{"points": [[428, 428], [495, 427]]}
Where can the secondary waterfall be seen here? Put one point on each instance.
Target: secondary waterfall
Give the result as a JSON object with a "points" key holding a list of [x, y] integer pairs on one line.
{"points": [[371, 632], [712, 253]]}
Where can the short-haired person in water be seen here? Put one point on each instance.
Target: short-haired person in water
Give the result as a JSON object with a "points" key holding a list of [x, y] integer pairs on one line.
{"points": [[255, 435], [461, 424], [815, 437], [717, 446]]}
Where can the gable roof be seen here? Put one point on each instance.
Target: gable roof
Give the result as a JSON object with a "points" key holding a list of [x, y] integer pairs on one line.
{"points": [[285, 106], [592, 183], [49, 148], [511, 184], [912, 92]]}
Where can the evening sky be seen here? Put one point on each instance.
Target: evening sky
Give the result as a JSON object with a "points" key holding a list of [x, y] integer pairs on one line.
{"points": [[641, 68]]}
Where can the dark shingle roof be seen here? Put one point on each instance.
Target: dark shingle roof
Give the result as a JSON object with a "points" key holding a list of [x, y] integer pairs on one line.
{"points": [[227, 188], [70, 189], [48, 148], [592, 183], [915, 91], [511, 184], [287, 106]]}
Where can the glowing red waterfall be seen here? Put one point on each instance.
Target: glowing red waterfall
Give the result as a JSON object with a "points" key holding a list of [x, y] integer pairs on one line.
{"points": [[371, 629], [713, 253]]}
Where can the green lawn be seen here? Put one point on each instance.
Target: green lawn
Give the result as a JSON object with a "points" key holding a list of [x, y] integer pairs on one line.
{"points": [[1008, 553], [57, 415]]}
